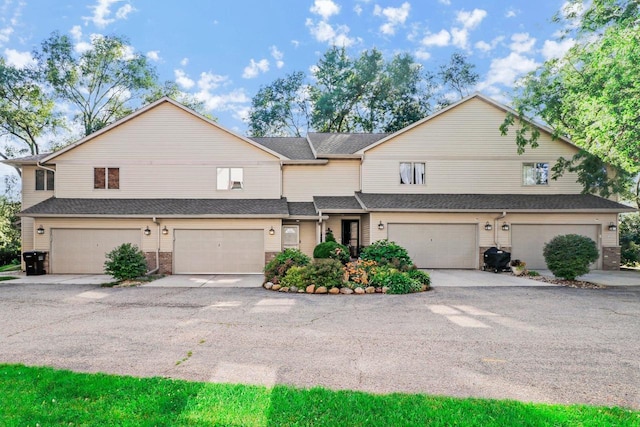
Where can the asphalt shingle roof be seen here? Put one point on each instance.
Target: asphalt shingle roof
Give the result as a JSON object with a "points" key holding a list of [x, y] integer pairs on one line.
{"points": [[342, 143], [483, 202], [27, 159], [302, 209], [291, 147], [333, 203], [159, 207]]}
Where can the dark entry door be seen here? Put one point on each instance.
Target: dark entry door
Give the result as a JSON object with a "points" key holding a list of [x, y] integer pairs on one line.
{"points": [[351, 235]]}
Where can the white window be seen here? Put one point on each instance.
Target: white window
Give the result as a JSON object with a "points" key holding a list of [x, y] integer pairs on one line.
{"points": [[412, 173], [535, 173], [229, 179]]}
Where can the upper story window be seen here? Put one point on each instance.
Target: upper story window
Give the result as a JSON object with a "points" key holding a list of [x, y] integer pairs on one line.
{"points": [[106, 178], [535, 173], [412, 173], [229, 179], [44, 180]]}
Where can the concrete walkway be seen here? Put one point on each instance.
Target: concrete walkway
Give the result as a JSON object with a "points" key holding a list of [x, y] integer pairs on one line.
{"points": [[208, 281]]}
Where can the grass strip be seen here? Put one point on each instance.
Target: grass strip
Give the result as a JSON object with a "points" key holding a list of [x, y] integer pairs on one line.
{"points": [[45, 396]]}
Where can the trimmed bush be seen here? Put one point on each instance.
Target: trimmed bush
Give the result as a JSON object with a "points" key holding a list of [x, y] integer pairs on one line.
{"points": [[569, 256], [401, 283], [328, 236], [125, 262], [333, 250], [325, 272], [296, 276], [277, 268], [389, 253]]}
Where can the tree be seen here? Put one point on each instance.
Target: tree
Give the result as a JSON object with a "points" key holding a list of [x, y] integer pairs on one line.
{"points": [[592, 96], [171, 90], [457, 76], [26, 111], [9, 231], [103, 82]]}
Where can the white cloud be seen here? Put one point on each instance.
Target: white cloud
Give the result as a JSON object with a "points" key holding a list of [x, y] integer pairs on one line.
{"points": [[277, 55], [154, 55], [236, 101], [255, 68], [183, 80], [325, 33], [511, 13], [439, 39], [422, 55], [505, 71], [184, 62], [325, 8], [460, 37], [76, 32], [102, 13], [395, 16], [486, 47], [552, 49], [5, 34], [522, 42], [295, 43], [82, 47], [470, 20], [209, 81], [445, 2], [357, 9], [18, 59]]}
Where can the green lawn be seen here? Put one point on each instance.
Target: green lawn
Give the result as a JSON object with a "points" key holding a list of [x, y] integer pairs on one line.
{"points": [[32, 396]]}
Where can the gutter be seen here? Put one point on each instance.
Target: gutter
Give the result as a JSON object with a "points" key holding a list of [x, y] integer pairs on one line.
{"points": [[495, 229], [155, 270], [44, 167]]}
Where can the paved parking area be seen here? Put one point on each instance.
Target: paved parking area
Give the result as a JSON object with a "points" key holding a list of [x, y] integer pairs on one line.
{"points": [[543, 344]]}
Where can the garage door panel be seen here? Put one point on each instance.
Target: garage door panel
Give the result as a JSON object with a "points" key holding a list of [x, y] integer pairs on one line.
{"points": [[218, 251], [438, 245], [528, 240], [83, 251]]}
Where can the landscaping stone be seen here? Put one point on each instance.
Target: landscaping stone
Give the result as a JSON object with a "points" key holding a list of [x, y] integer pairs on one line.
{"points": [[385, 289], [301, 291], [346, 291], [370, 289], [425, 287], [334, 291], [311, 289], [321, 290], [284, 289], [293, 289], [268, 285], [276, 287], [358, 291]]}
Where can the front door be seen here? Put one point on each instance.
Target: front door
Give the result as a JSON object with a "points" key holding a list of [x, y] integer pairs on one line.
{"points": [[290, 236], [351, 235]]}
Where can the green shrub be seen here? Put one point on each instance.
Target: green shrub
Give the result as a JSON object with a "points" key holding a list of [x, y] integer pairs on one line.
{"points": [[389, 253], [630, 239], [420, 276], [333, 250], [380, 276], [569, 256], [328, 236], [125, 262], [277, 268], [325, 272], [401, 283], [296, 276]]}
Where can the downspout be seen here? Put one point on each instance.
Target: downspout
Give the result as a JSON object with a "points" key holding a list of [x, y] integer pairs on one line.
{"points": [[155, 270], [319, 236], [44, 167], [495, 229]]}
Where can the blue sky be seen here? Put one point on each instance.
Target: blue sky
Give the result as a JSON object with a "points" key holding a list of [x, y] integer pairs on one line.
{"points": [[223, 51]]}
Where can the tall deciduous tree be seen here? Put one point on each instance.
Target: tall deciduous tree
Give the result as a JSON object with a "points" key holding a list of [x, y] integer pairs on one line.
{"points": [[592, 96], [457, 76], [103, 83]]}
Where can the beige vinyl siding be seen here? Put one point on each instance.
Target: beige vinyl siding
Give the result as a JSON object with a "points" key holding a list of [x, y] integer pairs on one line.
{"points": [[167, 153], [365, 230], [464, 153], [336, 178], [30, 196], [307, 236]]}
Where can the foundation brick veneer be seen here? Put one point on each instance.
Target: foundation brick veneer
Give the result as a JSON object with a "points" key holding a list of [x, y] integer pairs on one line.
{"points": [[611, 258]]}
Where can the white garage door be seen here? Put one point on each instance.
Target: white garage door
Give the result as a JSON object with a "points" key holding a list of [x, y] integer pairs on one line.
{"points": [[82, 251], [218, 251], [528, 240], [438, 245]]}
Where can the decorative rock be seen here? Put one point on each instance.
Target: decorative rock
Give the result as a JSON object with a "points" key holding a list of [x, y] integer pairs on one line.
{"points": [[378, 290], [334, 291], [293, 289], [346, 291], [284, 289], [311, 289], [370, 289], [268, 285], [385, 289], [359, 290], [301, 291], [424, 287], [321, 290], [276, 287]]}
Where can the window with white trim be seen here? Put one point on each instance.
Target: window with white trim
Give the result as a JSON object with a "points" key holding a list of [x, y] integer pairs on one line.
{"points": [[412, 173], [229, 179], [44, 180], [535, 173]]}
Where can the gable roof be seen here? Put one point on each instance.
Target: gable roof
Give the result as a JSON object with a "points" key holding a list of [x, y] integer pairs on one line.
{"points": [[147, 108], [26, 160], [337, 144], [476, 95], [291, 147], [489, 203]]}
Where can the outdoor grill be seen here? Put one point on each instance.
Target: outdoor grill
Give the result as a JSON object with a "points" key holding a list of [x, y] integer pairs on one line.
{"points": [[497, 260]]}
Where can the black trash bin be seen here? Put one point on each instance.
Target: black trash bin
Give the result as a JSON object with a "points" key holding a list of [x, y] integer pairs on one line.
{"points": [[34, 262]]}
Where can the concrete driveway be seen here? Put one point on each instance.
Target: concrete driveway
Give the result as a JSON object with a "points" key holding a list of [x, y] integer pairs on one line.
{"points": [[542, 344]]}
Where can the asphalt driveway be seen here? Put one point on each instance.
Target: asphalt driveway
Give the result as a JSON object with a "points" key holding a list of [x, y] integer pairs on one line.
{"points": [[543, 344]]}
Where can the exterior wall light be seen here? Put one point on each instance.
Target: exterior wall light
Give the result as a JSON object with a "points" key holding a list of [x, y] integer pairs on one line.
{"points": [[612, 227], [380, 226], [505, 226], [165, 230], [147, 232], [272, 231], [488, 226], [40, 230]]}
